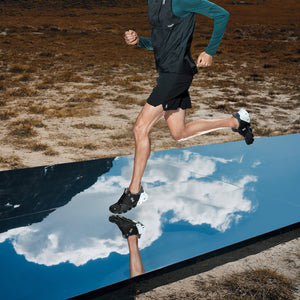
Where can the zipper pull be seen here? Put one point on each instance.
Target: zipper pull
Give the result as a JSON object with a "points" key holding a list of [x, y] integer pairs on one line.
{"points": [[164, 2]]}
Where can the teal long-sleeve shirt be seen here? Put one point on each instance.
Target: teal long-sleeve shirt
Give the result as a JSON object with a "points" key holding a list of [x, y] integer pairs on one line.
{"points": [[181, 8]]}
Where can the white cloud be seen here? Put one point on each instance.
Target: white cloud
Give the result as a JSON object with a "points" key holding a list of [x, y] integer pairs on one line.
{"points": [[80, 231]]}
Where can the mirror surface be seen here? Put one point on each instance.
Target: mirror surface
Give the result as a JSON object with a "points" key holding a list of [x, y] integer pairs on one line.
{"points": [[56, 240]]}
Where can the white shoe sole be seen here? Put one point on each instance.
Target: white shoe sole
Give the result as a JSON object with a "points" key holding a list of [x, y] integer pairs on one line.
{"points": [[244, 115], [143, 198], [140, 227]]}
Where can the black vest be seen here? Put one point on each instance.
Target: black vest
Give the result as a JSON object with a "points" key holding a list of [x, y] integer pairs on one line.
{"points": [[171, 38]]}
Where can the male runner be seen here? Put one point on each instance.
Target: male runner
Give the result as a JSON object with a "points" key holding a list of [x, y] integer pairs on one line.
{"points": [[172, 24]]}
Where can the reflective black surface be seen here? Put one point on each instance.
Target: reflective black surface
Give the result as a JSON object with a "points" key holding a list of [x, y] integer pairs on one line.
{"points": [[34, 193], [54, 220]]}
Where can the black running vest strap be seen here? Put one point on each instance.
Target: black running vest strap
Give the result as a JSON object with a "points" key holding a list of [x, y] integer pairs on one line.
{"points": [[171, 38]]}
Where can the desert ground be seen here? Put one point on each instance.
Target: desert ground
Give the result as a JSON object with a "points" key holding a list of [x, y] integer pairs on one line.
{"points": [[270, 274], [71, 89]]}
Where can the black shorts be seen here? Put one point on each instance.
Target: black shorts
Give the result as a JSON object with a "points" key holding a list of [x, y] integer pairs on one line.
{"points": [[172, 91]]}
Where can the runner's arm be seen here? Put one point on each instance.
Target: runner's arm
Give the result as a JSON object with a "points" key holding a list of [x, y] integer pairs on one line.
{"points": [[182, 8], [145, 43]]}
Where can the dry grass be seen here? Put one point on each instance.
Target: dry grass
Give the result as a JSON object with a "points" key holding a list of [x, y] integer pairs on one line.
{"points": [[37, 146], [26, 77], [90, 146], [22, 130], [137, 78], [12, 162], [78, 70], [262, 131], [49, 80], [3, 102], [66, 112], [86, 98], [22, 68], [78, 145], [29, 121], [37, 109], [125, 100], [91, 126], [2, 86], [254, 284], [120, 116], [68, 76], [43, 86], [128, 136], [23, 91], [224, 107], [51, 152], [7, 114]]}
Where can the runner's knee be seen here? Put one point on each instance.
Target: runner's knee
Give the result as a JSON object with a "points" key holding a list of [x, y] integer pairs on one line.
{"points": [[176, 135], [139, 129]]}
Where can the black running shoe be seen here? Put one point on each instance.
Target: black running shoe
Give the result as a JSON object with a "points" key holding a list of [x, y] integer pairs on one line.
{"points": [[128, 201], [128, 227], [244, 126]]}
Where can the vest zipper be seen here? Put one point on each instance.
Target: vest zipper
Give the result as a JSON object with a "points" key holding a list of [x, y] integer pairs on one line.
{"points": [[163, 3]]}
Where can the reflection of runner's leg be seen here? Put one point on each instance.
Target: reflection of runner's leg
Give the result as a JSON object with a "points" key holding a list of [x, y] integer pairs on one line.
{"points": [[128, 227], [131, 230], [135, 261]]}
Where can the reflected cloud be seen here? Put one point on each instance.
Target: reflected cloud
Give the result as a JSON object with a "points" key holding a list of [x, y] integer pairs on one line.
{"points": [[183, 182], [255, 164]]}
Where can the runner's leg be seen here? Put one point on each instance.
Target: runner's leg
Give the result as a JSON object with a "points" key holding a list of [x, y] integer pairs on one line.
{"points": [[145, 121], [135, 261], [181, 130]]}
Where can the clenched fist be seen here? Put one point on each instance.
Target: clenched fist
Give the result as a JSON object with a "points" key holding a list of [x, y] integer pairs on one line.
{"points": [[204, 60], [131, 37]]}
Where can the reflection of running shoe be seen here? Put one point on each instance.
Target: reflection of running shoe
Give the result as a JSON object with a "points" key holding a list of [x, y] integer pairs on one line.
{"points": [[244, 126], [128, 201], [128, 227]]}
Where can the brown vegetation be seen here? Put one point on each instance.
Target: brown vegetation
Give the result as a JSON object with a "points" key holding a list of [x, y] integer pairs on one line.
{"points": [[247, 285], [22, 130], [250, 285], [65, 63]]}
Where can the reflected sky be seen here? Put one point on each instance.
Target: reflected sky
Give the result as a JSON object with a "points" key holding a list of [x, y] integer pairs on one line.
{"points": [[200, 199]]}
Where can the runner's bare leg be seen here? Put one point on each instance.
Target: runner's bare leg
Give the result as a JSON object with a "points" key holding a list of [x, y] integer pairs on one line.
{"points": [[142, 127], [181, 130]]}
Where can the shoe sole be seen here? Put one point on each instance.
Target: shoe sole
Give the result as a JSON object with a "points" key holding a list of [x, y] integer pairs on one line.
{"points": [[140, 227], [143, 198], [244, 115]]}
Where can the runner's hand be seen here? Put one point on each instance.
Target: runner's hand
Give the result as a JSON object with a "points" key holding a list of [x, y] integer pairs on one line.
{"points": [[131, 37], [204, 60]]}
